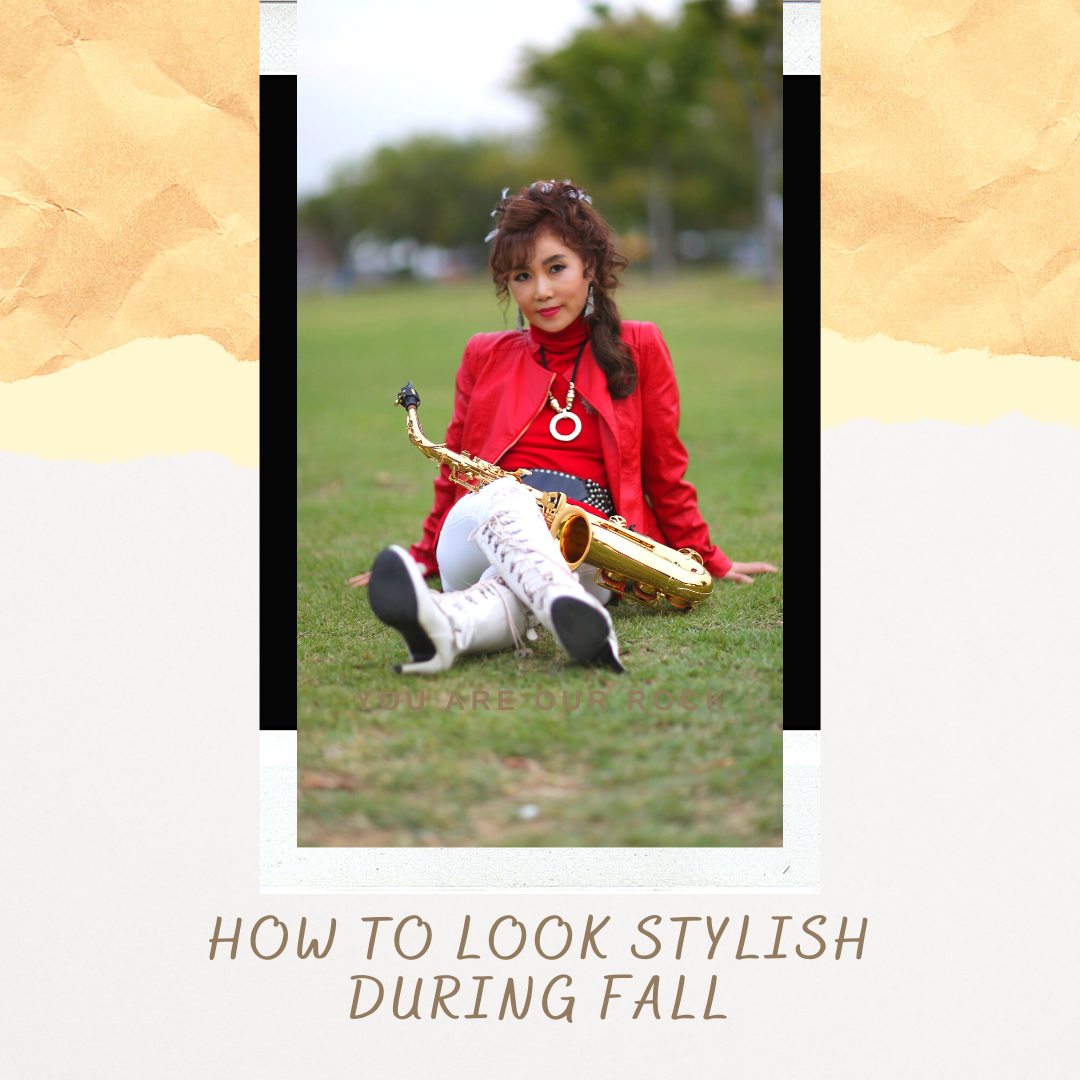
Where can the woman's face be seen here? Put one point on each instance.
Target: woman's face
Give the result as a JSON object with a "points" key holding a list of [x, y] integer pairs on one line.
{"points": [[552, 289]]}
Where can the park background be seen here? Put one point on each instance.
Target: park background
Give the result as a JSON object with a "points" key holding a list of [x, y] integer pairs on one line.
{"points": [[673, 120]]}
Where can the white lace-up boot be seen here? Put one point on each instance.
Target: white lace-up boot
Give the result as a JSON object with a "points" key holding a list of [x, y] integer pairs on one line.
{"points": [[439, 627], [517, 542]]}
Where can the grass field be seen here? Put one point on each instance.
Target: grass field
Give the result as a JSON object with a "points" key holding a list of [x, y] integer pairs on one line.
{"points": [[375, 770]]}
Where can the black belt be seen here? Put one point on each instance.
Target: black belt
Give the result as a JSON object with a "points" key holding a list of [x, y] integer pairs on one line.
{"points": [[573, 487]]}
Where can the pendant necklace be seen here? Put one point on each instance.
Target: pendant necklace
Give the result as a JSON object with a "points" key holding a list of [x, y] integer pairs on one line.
{"points": [[563, 412]]}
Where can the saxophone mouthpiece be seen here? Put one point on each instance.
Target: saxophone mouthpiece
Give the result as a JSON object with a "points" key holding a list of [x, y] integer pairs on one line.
{"points": [[407, 396]]}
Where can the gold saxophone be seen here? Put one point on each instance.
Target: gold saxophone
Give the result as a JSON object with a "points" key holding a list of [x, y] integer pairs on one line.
{"points": [[628, 564]]}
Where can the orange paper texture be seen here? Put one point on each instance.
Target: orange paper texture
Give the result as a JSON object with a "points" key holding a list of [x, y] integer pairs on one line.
{"points": [[951, 173], [129, 141]]}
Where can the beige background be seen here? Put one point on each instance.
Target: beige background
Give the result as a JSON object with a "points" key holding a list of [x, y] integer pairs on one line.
{"points": [[128, 178], [129, 212], [149, 397], [898, 382], [951, 173]]}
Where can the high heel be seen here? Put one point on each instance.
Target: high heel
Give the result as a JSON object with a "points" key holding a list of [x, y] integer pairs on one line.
{"points": [[439, 627]]}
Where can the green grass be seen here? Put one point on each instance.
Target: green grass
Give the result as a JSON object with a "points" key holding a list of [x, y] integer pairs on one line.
{"points": [[608, 775]]}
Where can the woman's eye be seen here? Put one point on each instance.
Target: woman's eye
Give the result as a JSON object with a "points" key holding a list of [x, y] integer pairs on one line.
{"points": [[521, 277], [557, 267]]}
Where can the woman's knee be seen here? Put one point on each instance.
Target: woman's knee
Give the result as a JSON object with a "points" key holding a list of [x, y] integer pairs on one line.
{"points": [[460, 561], [507, 491]]}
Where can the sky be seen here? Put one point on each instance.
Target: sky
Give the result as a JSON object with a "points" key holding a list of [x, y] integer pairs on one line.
{"points": [[375, 72]]}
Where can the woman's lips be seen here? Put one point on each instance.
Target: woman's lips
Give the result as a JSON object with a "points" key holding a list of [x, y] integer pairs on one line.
{"points": [[546, 313]]}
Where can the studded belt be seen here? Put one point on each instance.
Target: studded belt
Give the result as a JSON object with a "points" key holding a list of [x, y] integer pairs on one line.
{"points": [[573, 487]]}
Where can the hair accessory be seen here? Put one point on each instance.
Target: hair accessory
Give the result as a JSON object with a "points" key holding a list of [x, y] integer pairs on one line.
{"points": [[495, 213], [590, 307], [521, 322], [545, 187]]}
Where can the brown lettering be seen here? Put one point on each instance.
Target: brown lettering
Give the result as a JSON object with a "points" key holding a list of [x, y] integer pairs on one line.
{"points": [[284, 937], [608, 995], [776, 954], [397, 937], [217, 939], [568, 1012], [684, 919], [374, 920], [353, 1014], [569, 937], [439, 1001], [653, 985], [819, 940], [641, 929], [491, 937]]}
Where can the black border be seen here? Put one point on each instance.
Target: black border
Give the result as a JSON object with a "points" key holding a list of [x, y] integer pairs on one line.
{"points": [[277, 403], [802, 375]]}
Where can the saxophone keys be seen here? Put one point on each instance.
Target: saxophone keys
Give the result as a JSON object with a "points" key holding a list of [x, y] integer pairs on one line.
{"points": [[610, 580], [647, 594]]}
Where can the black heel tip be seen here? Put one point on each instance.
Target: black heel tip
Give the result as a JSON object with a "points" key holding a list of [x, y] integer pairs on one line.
{"points": [[582, 631], [393, 595], [397, 668], [606, 658]]}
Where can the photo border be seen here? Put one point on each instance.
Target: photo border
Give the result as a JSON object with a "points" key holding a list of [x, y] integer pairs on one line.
{"points": [[286, 868]]}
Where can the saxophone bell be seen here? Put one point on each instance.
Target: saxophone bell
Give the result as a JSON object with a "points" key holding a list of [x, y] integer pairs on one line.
{"points": [[570, 527]]}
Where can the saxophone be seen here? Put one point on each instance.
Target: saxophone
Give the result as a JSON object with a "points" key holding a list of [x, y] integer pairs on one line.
{"points": [[627, 563]]}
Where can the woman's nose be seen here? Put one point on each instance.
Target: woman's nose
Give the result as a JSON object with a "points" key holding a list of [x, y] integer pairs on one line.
{"points": [[543, 286]]}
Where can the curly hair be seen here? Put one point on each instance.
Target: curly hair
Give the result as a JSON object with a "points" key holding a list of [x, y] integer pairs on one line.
{"points": [[566, 210]]}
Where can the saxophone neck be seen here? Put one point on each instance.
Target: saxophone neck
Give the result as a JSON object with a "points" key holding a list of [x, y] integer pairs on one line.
{"points": [[436, 451], [416, 432], [409, 400], [468, 471]]}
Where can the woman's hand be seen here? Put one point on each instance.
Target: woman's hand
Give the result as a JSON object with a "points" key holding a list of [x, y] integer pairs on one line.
{"points": [[740, 570], [361, 580]]}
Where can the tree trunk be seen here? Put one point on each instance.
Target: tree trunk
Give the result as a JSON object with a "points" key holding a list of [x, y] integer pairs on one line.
{"points": [[763, 145], [765, 131], [661, 223]]}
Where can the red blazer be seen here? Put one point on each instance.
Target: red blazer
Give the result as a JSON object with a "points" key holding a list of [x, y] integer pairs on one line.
{"points": [[643, 455]]}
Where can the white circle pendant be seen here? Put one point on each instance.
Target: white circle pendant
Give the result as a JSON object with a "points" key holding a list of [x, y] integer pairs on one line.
{"points": [[553, 427]]}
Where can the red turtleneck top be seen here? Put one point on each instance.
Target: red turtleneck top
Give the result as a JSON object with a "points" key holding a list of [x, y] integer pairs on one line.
{"points": [[538, 448]]}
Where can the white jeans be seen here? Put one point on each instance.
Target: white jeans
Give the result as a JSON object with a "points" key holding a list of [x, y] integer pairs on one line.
{"points": [[462, 563]]}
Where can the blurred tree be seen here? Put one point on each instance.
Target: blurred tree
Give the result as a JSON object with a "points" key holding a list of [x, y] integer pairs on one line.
{"points": [[432, 188], [623, 91], [753, 51], [670, 126], [687, 116]]}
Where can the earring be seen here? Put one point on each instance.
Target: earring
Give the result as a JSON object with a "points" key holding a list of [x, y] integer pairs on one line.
{"points": [[590, 307], [521, 322]]}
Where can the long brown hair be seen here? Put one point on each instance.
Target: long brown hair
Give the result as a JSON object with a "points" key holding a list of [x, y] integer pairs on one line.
{"points": [[566, 210]]}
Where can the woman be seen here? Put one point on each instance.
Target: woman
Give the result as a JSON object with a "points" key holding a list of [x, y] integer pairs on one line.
{"points": [[589, 404]]}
